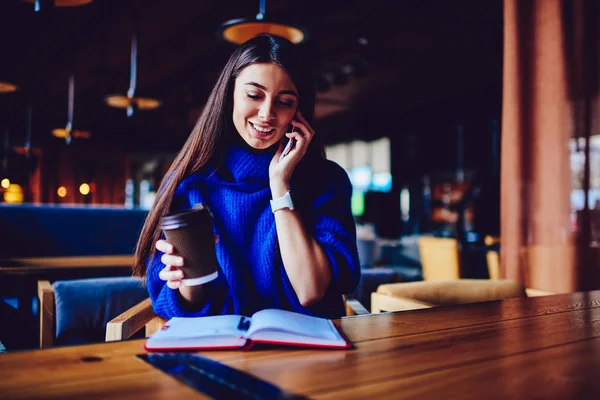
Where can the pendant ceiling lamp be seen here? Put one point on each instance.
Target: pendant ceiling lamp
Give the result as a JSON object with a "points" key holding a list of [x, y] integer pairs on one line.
{"points": [[39, 5], [26, 148], [240, 30], [7, 87], [130, 101], [6, 152], [68, 133]]}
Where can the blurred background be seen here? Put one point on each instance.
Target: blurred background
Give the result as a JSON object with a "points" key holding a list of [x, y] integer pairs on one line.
{"points": [[444, 114], [409, 97]]}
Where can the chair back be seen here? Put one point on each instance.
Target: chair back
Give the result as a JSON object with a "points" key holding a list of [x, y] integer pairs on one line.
{"points": [[461, 291], [367, 254], [84, 306], [440, 258], [417, 295], [493, 262]]}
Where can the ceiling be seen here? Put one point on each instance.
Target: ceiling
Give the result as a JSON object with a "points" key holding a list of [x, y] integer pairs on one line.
{"points": [[423, 60]]}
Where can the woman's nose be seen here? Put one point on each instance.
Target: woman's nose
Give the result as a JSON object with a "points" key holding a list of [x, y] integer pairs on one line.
{"points": [[266, 111]]}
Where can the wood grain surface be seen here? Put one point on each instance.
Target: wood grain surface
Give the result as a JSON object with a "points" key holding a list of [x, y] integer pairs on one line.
{"points": [[36, 264], [543, 347]]}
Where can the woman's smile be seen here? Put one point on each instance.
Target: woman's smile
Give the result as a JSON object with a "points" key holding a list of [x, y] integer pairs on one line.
{"points": [[261, 131]]}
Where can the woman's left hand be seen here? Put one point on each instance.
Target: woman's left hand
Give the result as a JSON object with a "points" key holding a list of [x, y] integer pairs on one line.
{"points": [[280, 171]]}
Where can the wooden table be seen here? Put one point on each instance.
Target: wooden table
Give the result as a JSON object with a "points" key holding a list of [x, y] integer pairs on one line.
{"points": [[544, 347]]}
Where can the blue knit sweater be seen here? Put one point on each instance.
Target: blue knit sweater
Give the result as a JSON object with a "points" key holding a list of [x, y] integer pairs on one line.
{"points": [[252, 276]]}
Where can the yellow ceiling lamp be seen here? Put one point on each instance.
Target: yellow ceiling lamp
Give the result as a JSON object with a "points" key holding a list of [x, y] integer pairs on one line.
{"points": [[39, 5], [130, 101], [68, 133], [241, 30]]}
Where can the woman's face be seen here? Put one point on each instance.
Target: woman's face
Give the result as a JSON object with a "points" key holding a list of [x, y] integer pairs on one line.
{"points": [[265, 100]]}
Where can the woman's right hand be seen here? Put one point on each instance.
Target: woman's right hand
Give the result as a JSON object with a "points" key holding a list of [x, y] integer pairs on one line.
{"points": [[171, 272]]}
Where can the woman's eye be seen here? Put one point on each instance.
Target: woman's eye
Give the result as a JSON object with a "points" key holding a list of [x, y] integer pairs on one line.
{"points": [[286, 103], [253, 96]]}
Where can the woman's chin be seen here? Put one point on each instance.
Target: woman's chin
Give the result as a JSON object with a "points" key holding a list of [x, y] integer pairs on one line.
{"points": [[260, 144]]}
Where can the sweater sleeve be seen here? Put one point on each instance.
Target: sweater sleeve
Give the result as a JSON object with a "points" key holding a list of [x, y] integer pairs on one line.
{"points": [[166, 302], [334, 229]]}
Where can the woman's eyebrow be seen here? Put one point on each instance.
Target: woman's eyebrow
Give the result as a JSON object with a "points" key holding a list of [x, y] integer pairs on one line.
{"points": [[290, 92], [258, 85]]}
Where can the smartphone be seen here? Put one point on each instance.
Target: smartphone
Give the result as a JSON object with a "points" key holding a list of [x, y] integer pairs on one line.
{"points": [[288, 147]]}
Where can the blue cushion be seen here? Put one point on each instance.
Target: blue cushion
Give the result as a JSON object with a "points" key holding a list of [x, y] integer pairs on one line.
{"points": [[84, 306]]}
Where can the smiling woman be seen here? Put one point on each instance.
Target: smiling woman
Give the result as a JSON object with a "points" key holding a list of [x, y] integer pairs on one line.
{"points": [[274, 249]]}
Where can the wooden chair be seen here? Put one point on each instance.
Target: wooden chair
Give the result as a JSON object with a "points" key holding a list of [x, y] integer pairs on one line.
{"points": [[443, 285], [76, 311], [427, 294], [440, 258], [142, 316], [133, 320]]}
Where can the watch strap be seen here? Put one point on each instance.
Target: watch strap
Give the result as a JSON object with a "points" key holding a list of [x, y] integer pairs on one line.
{"points": [[284, 201]]}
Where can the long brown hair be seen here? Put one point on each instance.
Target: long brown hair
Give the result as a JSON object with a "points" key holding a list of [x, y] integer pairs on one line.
{"points": [[209, 136]]}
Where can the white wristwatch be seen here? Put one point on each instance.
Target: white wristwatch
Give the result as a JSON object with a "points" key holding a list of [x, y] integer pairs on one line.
{"points": [[284, 201]]}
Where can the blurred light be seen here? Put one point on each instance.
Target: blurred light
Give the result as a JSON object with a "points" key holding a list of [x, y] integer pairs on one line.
{"points": [[5, 183], [405, 204], [357, 203], [360, 177], [84, 189], [63, 133], [129, 191], [13, 194], [7, 87], [62, 191], [382, 182]]}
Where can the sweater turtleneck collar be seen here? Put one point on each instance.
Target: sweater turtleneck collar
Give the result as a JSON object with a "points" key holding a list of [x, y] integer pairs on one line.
{"points": [[248, 165]]}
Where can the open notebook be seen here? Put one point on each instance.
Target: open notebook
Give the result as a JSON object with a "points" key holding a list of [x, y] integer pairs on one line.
{"points": [[236, 331]]}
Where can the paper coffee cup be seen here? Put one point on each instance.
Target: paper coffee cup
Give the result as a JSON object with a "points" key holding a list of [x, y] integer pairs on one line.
{"points": [[192, 236]]}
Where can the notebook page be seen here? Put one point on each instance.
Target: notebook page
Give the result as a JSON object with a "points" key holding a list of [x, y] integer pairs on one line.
{"points": [[298, 324], [181, 328]]}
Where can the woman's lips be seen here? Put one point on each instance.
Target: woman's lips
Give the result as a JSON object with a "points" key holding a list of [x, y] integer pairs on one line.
{"points": [[260, 133]]}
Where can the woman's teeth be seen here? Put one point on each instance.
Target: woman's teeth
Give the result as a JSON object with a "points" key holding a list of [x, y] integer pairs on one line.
{"points": [[261, 129]]}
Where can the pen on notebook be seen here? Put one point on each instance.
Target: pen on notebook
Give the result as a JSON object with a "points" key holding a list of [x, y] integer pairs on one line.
{"points": [[244, 324]]}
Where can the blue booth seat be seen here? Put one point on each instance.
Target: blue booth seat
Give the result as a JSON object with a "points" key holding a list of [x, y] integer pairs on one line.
{"points": [[54, 231]]}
